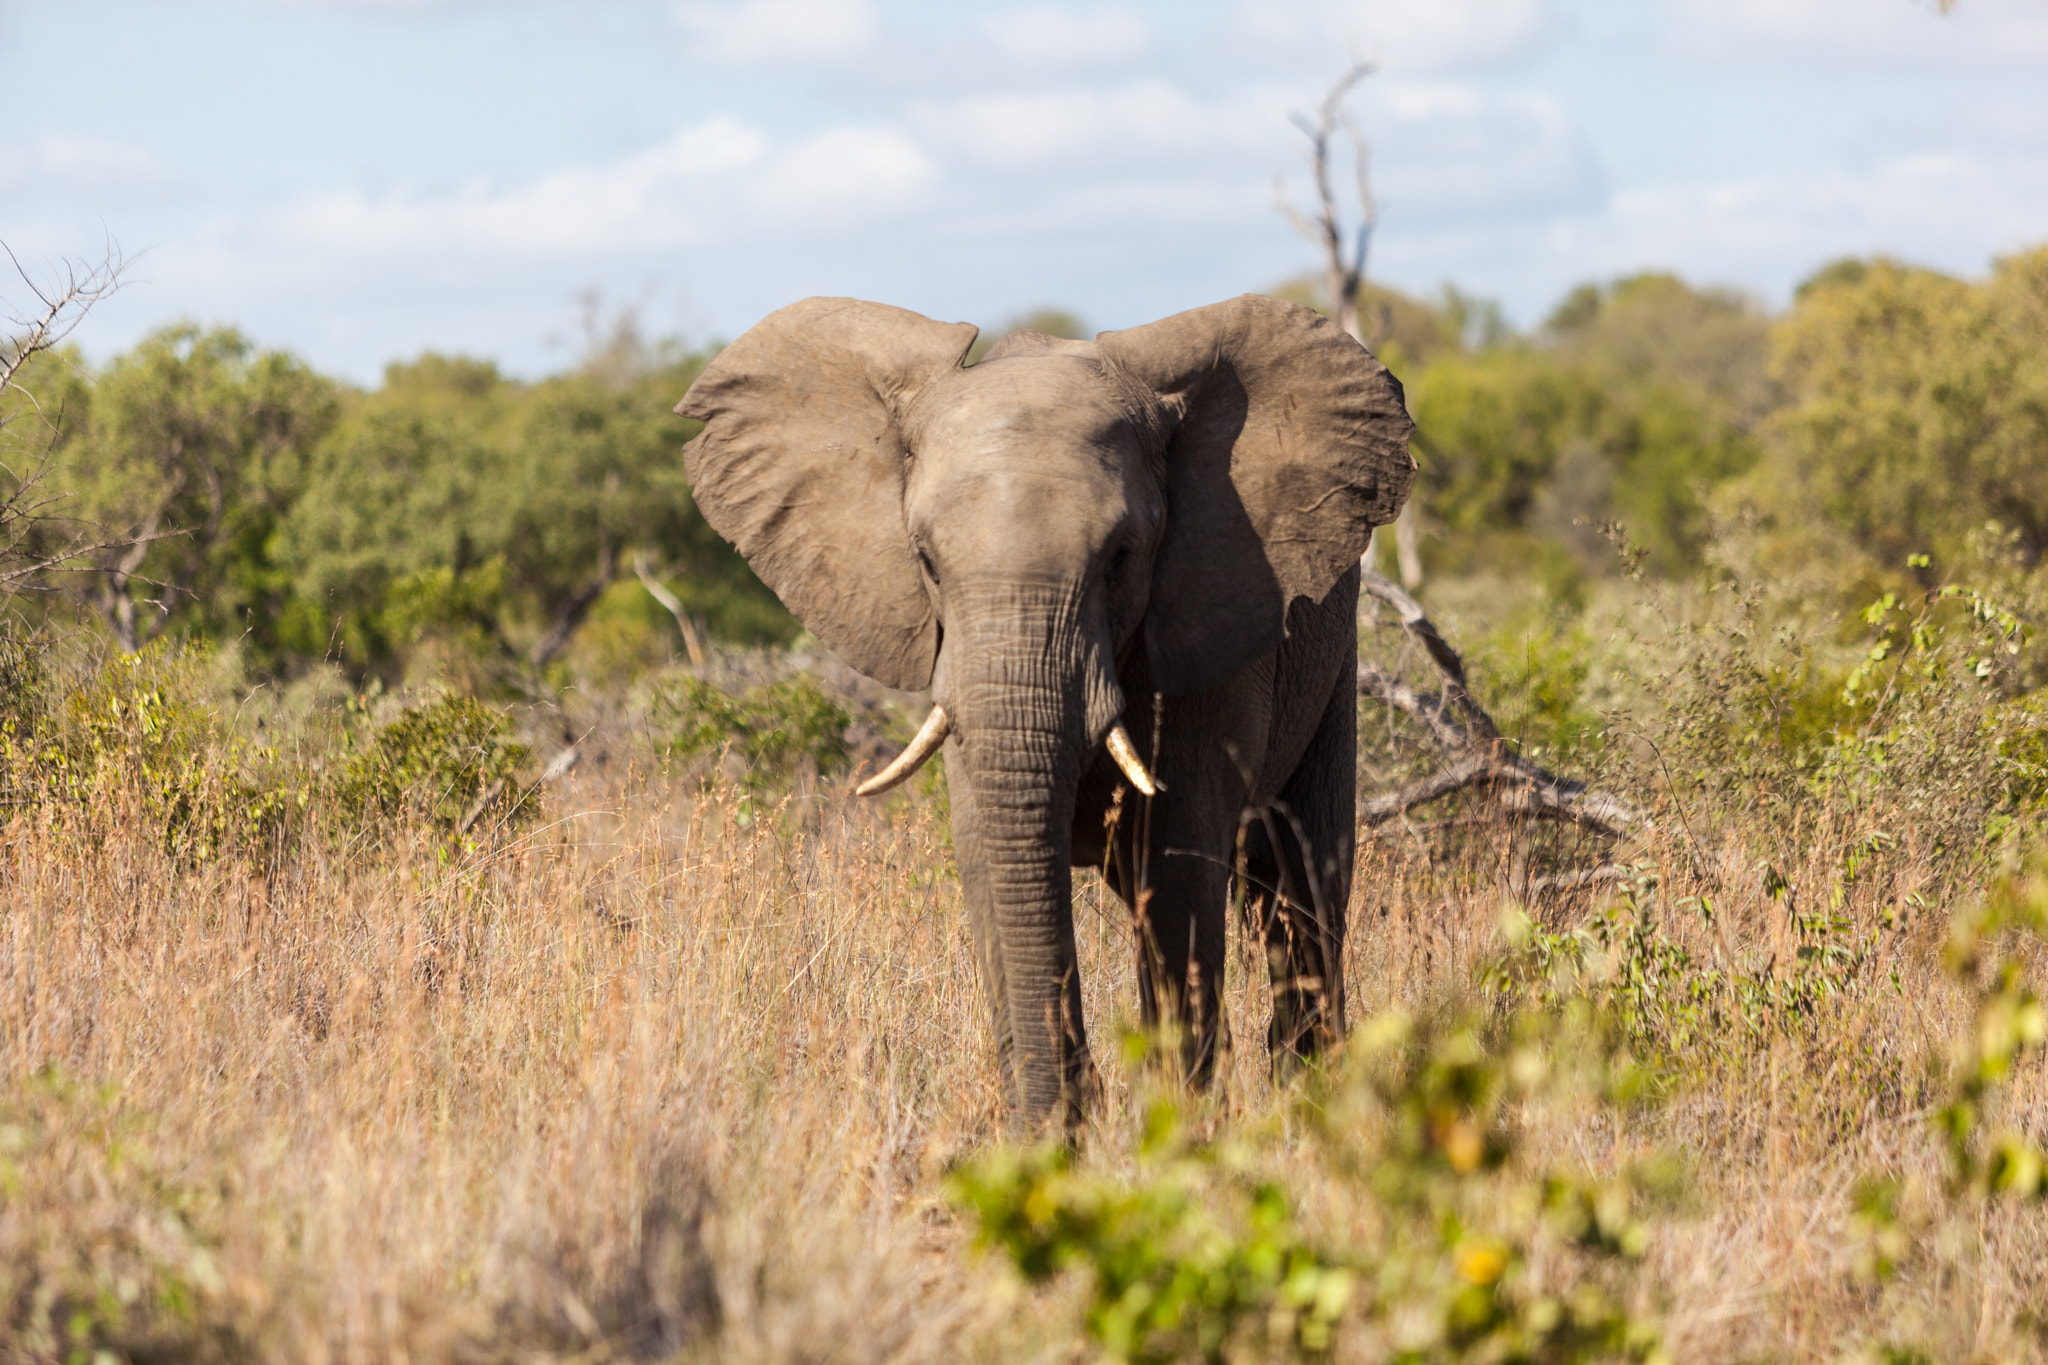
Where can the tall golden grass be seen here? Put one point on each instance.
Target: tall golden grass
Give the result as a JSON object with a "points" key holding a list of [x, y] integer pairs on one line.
{"points": [[674, 1073]]}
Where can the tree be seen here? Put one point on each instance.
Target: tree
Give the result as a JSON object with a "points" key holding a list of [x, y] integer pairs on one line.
{"points": [[399, 530], [37, 539], [1636, 400], [1918, 408], [189, 451], [457, 505]]}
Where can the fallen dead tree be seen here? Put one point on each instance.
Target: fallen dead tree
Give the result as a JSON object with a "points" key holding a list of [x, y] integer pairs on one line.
{"points": [[1472, 756], [1472, 752]]}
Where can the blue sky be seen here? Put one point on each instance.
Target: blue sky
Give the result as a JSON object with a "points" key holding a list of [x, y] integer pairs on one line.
{"points": [[359, 180]]}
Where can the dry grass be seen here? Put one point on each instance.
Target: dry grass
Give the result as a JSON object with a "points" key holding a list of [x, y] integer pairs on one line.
{"points": [[668, 1074]]}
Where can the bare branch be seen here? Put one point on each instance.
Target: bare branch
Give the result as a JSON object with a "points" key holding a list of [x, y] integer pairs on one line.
{"points": [[1344, 270], [1473, 752], [35, 540], [1605, 874], [674, 605], [63, 305]]}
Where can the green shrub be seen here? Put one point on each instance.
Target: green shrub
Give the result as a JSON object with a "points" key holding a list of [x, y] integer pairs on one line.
{"points": [[449, 764], [24, 690], [1457, 1245], [1990, 1155], [1906, 720], [1669, 1003], [141, 736], [107, 1253], [775, 729]]}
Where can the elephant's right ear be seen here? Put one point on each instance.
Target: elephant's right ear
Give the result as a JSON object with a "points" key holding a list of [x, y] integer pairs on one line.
{"points": [[801, 465]]}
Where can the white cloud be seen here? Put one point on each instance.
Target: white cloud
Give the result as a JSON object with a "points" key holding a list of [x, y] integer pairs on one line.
{"points": [[777, 32], [707, 183], [842, 173], [1948, 208], [1448, 151], [1048, 35], [1976, 33], [1407, 35], [84, 166], [1764, 232], [1149, 117]]}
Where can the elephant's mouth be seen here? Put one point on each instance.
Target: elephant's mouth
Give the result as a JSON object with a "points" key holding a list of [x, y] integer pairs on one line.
{"points": [[932, 735]]}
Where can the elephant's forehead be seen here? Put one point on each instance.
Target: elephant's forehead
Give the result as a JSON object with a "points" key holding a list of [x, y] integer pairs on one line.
{"points": [[1044, 397]]}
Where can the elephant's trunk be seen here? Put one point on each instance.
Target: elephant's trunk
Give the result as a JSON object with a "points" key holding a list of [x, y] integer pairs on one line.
{"points": [[1031, 691]]}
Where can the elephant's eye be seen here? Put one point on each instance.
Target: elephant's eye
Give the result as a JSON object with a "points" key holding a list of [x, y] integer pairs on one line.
{"points": [[924, 558], [1118, 562]]}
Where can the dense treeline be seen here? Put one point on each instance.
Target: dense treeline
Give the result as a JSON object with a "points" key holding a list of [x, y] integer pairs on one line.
{"points": [[451, 515], [458, 519], [1892, 411]]}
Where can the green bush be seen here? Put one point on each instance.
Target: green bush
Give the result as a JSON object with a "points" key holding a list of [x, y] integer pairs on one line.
{"points": [[775, 729], [1457, 1244], [140, 737], [448, 764], [110, 1251], [1670, 1004]]}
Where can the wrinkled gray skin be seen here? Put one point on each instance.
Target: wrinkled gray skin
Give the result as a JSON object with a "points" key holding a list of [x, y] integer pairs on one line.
{"points": [[1047, 539]]}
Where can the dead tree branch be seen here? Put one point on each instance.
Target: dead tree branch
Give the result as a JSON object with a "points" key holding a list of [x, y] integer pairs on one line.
{"points": [[1345, 253], [674, 606], [36, 540], [1343, 260], [1473, 754], [61, 305]]}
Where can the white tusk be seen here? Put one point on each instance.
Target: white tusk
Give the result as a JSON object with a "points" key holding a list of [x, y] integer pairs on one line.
{"points": [[929, 737], [1126, 755]]}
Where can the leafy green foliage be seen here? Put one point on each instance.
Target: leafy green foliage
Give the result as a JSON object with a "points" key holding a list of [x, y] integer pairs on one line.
{"points": [[453, 521], [1535, 683], [193, 443], [449, 764], [1917, 410], [139, 737], [1171, 1279], [1671, 1003], [774, 728], [143, 739], [1458, 1248], [2011, 1025], [1636, 401]]}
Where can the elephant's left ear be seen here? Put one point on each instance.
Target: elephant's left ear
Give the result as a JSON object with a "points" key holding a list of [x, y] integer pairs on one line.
{"points": [[1289, 445]]}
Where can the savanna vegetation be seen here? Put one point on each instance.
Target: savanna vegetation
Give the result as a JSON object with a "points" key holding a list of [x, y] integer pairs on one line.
{"points": [[409, 952]]}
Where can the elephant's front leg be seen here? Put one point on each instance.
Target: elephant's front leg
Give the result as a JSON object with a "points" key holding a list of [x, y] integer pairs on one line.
{"points": [[1033, 989], [1179, 908], [1298, 866], [1170, 863]]}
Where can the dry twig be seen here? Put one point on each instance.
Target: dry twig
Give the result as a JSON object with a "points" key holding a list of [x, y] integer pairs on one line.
{"points": [[674, 605]]}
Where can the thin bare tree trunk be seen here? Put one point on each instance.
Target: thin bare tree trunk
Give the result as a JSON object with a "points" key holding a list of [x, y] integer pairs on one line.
{"points": [[1344, 263], [576, 608], [1472, 753], [674, 605]]}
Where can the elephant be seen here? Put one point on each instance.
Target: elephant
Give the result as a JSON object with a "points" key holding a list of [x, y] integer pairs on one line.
{"points": [[1090, 552]]}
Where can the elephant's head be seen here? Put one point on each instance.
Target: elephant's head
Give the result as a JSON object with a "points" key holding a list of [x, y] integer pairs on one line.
{"points": [[1005, 533]]}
